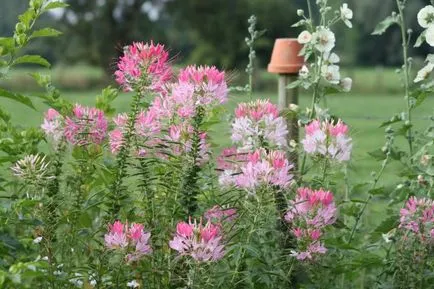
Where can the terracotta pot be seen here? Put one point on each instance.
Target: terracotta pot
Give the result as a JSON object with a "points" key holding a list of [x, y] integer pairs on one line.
{"points": [[285, 59]]}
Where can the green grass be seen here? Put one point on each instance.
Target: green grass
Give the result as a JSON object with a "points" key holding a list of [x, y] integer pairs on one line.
{"points": [[364, 114]]}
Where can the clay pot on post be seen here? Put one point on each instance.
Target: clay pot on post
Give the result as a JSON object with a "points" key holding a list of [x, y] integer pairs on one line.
{"points": [[286, 62]]}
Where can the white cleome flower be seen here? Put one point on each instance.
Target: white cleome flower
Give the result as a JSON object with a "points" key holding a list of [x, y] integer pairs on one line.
{"points": [[347, 15], [346, 84], [424, 73], [425, 17], [429, 36], [331, 73], [133, 284], [304, 37], [324, 40]]}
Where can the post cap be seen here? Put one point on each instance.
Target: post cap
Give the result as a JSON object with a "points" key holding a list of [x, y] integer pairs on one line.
{"points": [[285, 58]]}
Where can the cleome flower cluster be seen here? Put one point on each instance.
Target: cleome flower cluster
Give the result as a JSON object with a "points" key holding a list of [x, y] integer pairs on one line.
{"points": [[257, 125], [309, 214], [132, 241], [417, 219], [200, 242], [328, 139]]}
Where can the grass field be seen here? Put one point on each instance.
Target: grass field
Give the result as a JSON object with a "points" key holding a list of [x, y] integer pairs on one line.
{"points": [[364, 114]]}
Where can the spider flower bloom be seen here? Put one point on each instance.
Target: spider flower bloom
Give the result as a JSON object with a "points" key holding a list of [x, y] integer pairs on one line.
{"points": [[134, 239], [209, 84], [417, 217], [139, 240], [87, 125], [53, 126], [261, 169], [328, 139], [309, 214], [117, 236], [202, 243], [33, 169], [258, 125], [218, 214], [143, 66]]}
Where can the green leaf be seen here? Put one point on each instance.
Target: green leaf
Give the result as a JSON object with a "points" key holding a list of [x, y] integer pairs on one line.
{"points": [[387, 225], [27, 17], [378, 191], [378, 154], [17, 97], [294, 84], [7, 45], [45, 32], [396, 118], [34, 59], [54, 5], [385, 24]]}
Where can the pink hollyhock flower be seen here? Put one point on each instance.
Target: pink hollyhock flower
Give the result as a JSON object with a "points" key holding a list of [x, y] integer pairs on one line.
{"points": [[143, 66], [116, 237], [85, 126], [309, 214], [258, 125], [53, 126], [218, 214], [328, 139], [417, 218], [202, 243]]}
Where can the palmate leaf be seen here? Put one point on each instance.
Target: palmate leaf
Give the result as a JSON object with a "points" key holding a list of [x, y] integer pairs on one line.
{"points": [[32, 59], [382, 27], [17, 97]]}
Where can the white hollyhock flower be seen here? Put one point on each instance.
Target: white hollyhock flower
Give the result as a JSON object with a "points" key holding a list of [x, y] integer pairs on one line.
{"points": [[331, 73], [346, 84], [324, 40], [424, 73], [425, 17], [133, 284], [346, 15], [304, 37], [429, 36], [333, 58], [304, 72]]}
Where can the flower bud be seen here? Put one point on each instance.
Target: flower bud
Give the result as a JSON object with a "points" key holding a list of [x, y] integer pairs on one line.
{"points": [[20, 28], [300, 12]]}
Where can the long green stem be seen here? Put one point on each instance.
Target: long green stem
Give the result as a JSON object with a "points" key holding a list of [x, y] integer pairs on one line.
{"points": [[406, 75], [116, 189], [368, 199]]}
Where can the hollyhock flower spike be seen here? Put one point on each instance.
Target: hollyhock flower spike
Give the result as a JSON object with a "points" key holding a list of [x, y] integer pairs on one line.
{"points": [[143, 66], [86, 125], [53, 126], [202, 243], [309, 214]]}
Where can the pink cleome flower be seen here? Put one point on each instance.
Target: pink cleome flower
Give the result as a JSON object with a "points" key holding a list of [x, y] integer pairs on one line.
{"points": [[144, 65], [134, 239], [202, 243], [417, 218], [260, 169], [218, 214], [328, 139], [87, 125], [53, 126], [258, 125], [309, 214]]}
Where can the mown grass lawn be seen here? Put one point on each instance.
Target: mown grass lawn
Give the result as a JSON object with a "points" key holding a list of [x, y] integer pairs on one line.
{"points": [[364, 114]]}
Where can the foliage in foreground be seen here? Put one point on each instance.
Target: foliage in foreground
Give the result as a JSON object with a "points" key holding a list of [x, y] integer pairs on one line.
{"points": [[139, 200]]}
